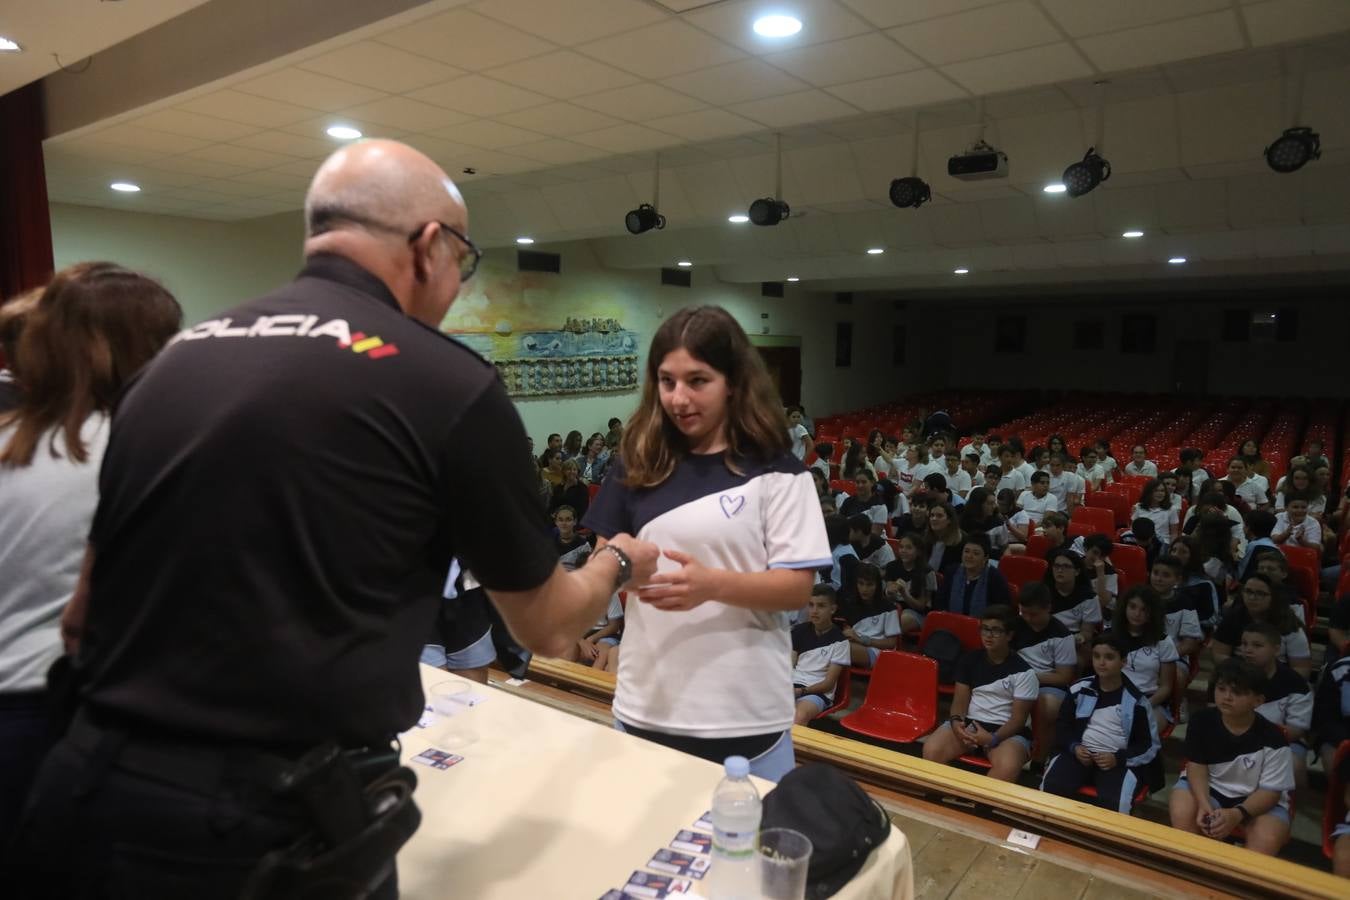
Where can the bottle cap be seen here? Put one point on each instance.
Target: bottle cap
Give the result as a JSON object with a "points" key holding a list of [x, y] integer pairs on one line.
{"points": [[737, 766]]}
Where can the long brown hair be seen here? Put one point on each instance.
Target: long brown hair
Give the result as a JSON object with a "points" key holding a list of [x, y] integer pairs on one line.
{"points": [[755, 424], [94, 326]]}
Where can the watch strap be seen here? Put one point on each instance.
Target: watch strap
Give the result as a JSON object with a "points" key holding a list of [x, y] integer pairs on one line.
{"points": [[625, 565]]}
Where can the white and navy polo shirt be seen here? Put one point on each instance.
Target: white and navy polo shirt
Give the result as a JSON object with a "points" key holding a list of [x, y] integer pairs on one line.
{"points": [[994, 688], [1144, 662], [1289, 699], [1240, 764], [1044, 650], [1077, 609], [715, 671], [816, 652]]}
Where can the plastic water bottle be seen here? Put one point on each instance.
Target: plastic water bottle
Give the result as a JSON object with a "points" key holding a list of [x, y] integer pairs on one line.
{"points": [[734, 874]]}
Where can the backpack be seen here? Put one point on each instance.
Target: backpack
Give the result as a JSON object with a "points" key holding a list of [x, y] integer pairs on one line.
{"points": [[945, 648]]}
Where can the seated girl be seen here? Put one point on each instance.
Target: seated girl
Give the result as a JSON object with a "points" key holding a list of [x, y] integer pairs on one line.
{"points": [[873, 623], [1150, 656], [910, 584], [1262, 603]]}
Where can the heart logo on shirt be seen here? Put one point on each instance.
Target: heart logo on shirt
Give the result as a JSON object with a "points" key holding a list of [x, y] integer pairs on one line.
{"points": [[1248, 761], [731, 505]]}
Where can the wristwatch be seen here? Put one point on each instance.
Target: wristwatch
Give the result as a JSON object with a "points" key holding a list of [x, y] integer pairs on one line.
{"points": [[625, 565], [1242, 811]]}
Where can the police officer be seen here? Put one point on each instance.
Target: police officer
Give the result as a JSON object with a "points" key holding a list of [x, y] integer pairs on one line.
{"points": [[282, 494]]}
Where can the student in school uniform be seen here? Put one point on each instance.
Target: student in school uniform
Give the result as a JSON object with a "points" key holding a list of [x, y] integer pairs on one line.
{"points": [[1142, 533], [843, 558], [1239, 770], [1105, 735], [600, 648], [1066, 486], [1262, 603], [977, 446], [1106, 460], [799, 439], [909, 582], [958, 479], [819, 656], [1246, 485], [706, 473], [865, 501], [1009, 475], [1181, 618], [1331, 708], [970, 464], [1037, 501], [1294, 527], [973, 585], [1154, 506], [1048, 647], [1073, 599], [1288, 696], [1259, 527], [1340, 835], [1090, 470], [824, 453], [1150, 656], [873, 622], [996, 690], [1140, 464], [1096, 552], [870, 547]]}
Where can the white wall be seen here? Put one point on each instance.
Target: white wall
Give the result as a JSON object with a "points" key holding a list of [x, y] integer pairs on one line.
{"points": [[210, 266]]}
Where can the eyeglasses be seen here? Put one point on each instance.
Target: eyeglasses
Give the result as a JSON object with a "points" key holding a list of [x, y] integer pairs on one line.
{"points": [[1256, 595], [993, 629], [468, 260], [1062, 566]]}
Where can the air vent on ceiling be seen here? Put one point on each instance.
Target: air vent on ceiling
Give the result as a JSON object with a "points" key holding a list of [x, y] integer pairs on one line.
{"points": [[538, 261], [771, 288], [676, 277]]}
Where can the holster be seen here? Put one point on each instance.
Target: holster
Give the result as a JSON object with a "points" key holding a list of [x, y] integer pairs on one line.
{"points": [[362, 812]]}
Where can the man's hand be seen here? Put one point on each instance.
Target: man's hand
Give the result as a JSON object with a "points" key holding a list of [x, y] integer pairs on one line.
{"points": [[687, 587], [642, 554], [586, 649]]}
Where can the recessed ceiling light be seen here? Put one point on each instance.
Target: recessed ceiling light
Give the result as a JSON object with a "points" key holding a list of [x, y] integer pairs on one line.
{"points": [[1054, 188], [875, 251], [960, 271], [793, 278], [344, 133], [1132, 234], [8, 46], [738, 219], [125, 187], [684, 264], [777, 26], [1177, 260], [524, 240]]}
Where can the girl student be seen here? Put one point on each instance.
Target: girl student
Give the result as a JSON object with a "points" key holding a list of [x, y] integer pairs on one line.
{"points": [[1155, 504], [874, 623], [1140, 619], [1262, 603], [909, 582], [705, 472]]}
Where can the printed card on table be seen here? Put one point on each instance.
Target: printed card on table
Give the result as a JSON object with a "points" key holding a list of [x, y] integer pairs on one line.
{"points": [[686, 865], [645, 884], [704, 822], [437, 759], [692, 842]]}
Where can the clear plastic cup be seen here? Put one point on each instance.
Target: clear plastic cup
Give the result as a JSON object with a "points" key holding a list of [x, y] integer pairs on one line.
{"points": [[784, 856], [442, 697]]}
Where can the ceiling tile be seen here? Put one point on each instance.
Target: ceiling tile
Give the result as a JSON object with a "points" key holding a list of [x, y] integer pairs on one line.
{"points": [[309, 89], [979, 32], [478, 96], [908, 89], [317, 127], [206, 168], [246, 108], [822, 20], [271, 179], [1278, 21], [128, 135], [207, 128], [81, 151], [661, 50], [557, 152], [495, 162], [239, 156], [487, 134], [380, 66], [851, 59], [1151, 45], [467, 40], [561, 119], [889, 13], [574, 21], [1019, 69], [563, 74], [406, 115], [794, 109], [705, 125], [640, 102], [749, 79], [1079, 19], [626, 138]]}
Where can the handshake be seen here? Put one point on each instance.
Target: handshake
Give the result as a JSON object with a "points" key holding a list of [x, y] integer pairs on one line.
{"points": [[680, 589]]}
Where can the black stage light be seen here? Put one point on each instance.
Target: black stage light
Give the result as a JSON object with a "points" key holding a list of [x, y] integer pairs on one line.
{"points": [[1085, 175], [768, 211], [1294, 149], [912, 191], [644, 218]]}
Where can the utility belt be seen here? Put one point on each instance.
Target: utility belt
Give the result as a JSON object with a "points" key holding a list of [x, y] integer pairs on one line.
{"points": [[356, 803]]}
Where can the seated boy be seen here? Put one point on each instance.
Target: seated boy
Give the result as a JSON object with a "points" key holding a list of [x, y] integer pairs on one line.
{"points": [[1038, 501], [1143, 533], [824, 453], [1239, 770], [870, 547], [1289, 698], [1340, 835], [1295, 527], [819, 656], [1105, 734], [1183, 621], [1048, 647], [995, 693]]}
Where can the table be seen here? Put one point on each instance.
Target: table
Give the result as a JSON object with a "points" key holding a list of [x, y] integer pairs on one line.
{"points": [[548, 805]]}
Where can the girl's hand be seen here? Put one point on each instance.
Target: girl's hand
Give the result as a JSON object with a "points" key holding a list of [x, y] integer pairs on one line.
{"points": [[689, 586], [1083, 755], [586, 649], [1222, 822], [849, 633]]}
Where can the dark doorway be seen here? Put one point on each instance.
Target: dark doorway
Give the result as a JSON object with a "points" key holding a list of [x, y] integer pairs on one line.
{"points": [[785, 368], [1190, 367]]}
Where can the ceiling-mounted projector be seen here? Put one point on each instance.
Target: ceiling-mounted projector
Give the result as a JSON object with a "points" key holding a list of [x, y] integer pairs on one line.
{"points": [[979, 162]]}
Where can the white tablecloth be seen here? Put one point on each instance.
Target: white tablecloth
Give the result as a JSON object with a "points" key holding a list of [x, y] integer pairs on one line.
{"points": [[548, 805]]}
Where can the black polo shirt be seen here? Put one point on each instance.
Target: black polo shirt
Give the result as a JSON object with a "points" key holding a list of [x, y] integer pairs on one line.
{"points": [[283, 491]]}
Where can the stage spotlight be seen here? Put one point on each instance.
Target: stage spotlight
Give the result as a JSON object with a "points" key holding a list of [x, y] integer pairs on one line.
{"points": [[1083, 176], [768, 211], [644, 218], [912, 191], [1294, 149]]}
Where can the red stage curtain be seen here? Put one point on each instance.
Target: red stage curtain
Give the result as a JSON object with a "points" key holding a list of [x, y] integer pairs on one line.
{"points": [[25, 223]]}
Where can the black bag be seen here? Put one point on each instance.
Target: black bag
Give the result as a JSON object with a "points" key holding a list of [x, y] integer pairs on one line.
{"points": [[843, 824], [944, 647]]}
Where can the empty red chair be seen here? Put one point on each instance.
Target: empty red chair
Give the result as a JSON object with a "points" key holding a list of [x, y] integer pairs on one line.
{"points": [[902, 698], [1080, 529], [842, 692], [1097, 521], [1131, 565], [1307, 557], [1120, 506], [1334, 812], [1022, 570], [1037, 546]]}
